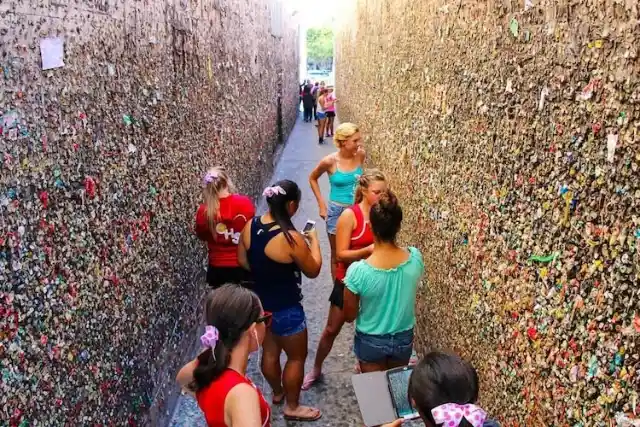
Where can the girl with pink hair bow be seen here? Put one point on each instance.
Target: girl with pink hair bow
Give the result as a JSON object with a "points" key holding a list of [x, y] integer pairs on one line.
{"points": [[444, 389]]}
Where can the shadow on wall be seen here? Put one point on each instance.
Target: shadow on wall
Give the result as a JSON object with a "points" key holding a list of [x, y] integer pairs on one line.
{"points": [[511, 132], [102, 154]]}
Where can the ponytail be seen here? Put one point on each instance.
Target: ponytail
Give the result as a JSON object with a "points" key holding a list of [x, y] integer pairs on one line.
{"points": [[278, 197], [214, 182], [231, 310], [369, 176]]}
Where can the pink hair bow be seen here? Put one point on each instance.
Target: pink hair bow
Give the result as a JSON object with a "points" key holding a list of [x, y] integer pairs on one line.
{"points": [[210, 337], [209, 177], [451, 414], [272, 191]]}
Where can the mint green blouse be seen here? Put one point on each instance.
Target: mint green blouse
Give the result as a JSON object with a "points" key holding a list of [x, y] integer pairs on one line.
{"points": [[387, 297]]}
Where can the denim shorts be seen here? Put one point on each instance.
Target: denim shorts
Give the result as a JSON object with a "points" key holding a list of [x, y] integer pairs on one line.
{"points": [[376, 348], [320, 115], [337, 294], [334, 211], [289, 321]]}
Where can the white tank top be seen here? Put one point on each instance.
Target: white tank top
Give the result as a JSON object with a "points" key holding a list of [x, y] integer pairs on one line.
{"points": [[319, 108]]}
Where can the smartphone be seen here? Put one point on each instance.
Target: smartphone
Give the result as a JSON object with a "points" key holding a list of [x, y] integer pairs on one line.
{"points": [[310, 225], [398, 380]]}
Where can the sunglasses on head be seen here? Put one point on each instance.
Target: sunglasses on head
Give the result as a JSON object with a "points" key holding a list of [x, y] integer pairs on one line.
{"points": [[265, 318]]}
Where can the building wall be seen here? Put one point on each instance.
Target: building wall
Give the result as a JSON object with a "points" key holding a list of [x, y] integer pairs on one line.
{"points": [[100, 275], [510, 131]]}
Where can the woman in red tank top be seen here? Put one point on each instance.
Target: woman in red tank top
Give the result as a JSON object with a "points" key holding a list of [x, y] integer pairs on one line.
{"points": [[219, 221], [354, 241], [236, 326]]}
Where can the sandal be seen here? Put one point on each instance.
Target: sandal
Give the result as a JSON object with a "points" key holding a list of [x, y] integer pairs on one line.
{"points": [[299, 418], [310, 379], [278, 401]]}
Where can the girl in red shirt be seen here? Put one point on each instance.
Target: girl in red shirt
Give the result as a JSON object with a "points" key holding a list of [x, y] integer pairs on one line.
{"points": [[219, 221], [354, 241], [236, 326]]}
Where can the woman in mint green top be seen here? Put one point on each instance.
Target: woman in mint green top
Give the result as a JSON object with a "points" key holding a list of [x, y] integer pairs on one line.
{"points": [[380, 293]]}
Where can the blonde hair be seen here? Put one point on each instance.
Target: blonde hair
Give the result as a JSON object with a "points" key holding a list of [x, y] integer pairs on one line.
{"points": [[215, 181], [344, 132], [367, 177]]}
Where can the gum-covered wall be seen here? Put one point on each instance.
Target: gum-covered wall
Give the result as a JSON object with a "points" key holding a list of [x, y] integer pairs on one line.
{"points": [[100, 275], [510, 131]]}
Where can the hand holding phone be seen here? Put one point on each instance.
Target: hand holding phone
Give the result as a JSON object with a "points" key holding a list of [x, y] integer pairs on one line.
{"points": [[310, 225]]}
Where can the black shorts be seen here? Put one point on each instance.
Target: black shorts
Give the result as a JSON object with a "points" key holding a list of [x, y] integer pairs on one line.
{"points": [[337, 294], [218, 276], [330, 113]]}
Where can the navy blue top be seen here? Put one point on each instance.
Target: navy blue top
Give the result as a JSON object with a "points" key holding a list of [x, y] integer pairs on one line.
{"points": [[278, 285]]}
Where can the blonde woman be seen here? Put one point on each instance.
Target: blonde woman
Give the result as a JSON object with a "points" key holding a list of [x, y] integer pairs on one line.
{"points": [[219, 222], [354, 241], [321, 115], [343, 167]]}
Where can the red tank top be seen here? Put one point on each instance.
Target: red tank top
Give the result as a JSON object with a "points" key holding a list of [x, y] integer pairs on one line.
{"points": [[211, 399], [361, 237]]}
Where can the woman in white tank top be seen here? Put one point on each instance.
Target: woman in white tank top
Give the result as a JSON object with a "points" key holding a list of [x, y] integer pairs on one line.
{"points": [[322, 116]]}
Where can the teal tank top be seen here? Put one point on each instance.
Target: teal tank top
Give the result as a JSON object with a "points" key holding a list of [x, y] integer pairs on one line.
{"points": [[343, 186]]}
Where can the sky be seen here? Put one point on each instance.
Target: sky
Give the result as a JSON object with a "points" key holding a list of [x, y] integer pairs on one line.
{"points": [[314, 13]]}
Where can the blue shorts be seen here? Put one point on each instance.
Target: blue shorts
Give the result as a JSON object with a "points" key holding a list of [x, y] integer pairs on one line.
{"points": [[321, 116], [289, 321], [334, 211], [377, 348]]}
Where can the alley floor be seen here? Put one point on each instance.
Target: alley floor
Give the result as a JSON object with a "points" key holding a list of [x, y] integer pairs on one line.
{"points": [[334, 395]]}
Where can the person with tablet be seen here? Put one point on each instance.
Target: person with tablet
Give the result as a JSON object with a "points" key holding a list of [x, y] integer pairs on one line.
{"points": [[442, 390], [380, 293]]}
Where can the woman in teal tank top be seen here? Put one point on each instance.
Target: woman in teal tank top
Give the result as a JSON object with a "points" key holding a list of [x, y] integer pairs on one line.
{"points": [[343, 167]]}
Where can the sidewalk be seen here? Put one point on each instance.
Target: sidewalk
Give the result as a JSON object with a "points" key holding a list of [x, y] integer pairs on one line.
{"points": [[334, 396]]}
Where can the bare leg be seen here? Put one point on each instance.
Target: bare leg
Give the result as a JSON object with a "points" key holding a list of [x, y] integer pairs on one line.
{"points": [[373, 367], [271, 365], [334, 261], [335, 321], [321, 126], [330, 127], [295, 347]]}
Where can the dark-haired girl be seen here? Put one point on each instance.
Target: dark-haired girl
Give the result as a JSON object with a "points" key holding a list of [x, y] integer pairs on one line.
{"points": [[277, 254], [235, 328], [444, 389], [380, 292]]}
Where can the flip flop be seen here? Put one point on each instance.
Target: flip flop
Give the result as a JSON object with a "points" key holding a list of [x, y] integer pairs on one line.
{"points": [[303, 419], [310, 380]]}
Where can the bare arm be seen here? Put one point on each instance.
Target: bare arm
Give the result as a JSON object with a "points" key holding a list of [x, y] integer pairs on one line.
{"points": [[242, 407], [307, 257], [344, 231], [185, 375], [323, 167], [243, 245], [363, 155], [351, 305]]}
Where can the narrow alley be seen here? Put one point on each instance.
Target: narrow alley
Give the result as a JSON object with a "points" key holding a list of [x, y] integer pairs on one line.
{"points": [[508, 132]]}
